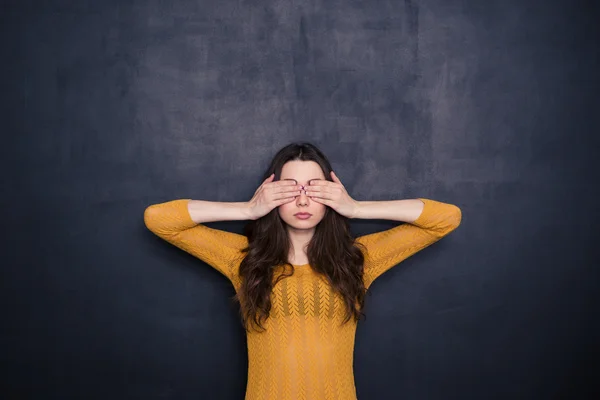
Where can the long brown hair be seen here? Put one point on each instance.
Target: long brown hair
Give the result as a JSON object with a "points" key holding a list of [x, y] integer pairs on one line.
{"points": [[332, 251]]}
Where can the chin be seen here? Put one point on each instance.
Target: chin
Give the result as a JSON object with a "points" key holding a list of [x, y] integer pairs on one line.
{"points": [[312, 221], [303, 224]]}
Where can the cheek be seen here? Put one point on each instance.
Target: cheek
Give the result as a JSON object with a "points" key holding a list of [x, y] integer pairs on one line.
{"points": [[286, 208]]}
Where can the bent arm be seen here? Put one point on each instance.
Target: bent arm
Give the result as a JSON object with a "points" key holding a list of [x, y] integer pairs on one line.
{"points": [[388, 248], [175, 222]]}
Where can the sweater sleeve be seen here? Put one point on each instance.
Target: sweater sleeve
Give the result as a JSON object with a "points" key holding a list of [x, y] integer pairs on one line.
{"points": [[220, 249], [387, 248]]}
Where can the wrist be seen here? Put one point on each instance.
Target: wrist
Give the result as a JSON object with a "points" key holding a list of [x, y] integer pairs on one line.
{"points": [[247, 210], [357, 209]]}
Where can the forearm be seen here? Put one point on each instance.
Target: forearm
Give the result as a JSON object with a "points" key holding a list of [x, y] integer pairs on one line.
{"points": [[407, 210], [210, 211]]}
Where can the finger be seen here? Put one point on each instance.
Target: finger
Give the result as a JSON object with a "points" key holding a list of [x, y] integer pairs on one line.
{"points": [[317, 182], [285, 200], [321, 200], [280, 186], [265, 181], [289, 188], [321, 182], [285, 182], [269, 177], [285, 191], [293, 194], [319, 190], [335, 178], [318, 195], [283, 195]]}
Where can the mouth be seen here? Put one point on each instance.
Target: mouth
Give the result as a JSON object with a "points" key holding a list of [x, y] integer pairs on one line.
{"points": [[302, 215]]}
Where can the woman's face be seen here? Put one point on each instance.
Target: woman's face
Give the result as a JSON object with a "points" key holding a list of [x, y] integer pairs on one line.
{"points": [[302, 172]]}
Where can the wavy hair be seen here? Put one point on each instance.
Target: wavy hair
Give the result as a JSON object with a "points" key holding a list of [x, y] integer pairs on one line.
{"points": [[332, 251]]}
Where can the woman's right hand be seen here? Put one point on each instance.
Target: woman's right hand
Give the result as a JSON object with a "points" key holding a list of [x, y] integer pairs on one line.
{"points": [[272, 194]]}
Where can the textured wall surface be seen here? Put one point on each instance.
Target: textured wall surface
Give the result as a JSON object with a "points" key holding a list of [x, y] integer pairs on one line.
{"points": [[110, 106]]}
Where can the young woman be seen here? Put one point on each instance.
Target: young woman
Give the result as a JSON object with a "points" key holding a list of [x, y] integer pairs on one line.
{"points": [[299, 275]]}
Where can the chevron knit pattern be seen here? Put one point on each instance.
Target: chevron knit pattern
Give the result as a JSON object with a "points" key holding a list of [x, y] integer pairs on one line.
{"points": [[305, 352]]}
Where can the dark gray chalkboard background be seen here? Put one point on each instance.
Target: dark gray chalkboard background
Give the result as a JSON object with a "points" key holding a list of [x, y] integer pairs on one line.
{"points": [[110, 106]]}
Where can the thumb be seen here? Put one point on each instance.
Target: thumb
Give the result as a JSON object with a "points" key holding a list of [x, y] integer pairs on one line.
{"points": [[269, 177], [263, 182], [335, 178]]}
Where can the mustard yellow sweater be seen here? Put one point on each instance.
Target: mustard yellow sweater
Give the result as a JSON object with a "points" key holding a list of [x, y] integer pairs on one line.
{"points": [[305, 353]]}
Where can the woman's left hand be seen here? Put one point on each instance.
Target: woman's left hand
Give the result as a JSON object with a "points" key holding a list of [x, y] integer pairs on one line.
{"points": [[332, 194]]}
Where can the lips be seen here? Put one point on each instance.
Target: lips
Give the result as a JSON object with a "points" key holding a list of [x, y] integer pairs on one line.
{"points": [[303, 214]]}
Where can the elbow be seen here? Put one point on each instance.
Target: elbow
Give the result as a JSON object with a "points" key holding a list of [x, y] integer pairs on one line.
{"points": [[457, 215], [151, 218], [454, 217], [450, 222]]}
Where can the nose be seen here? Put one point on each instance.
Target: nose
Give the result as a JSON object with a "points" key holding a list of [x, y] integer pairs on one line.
{"points": [[302, 198]]}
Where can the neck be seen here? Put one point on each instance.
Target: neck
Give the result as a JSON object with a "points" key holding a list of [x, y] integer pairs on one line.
{"points": [[299, 239]]}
